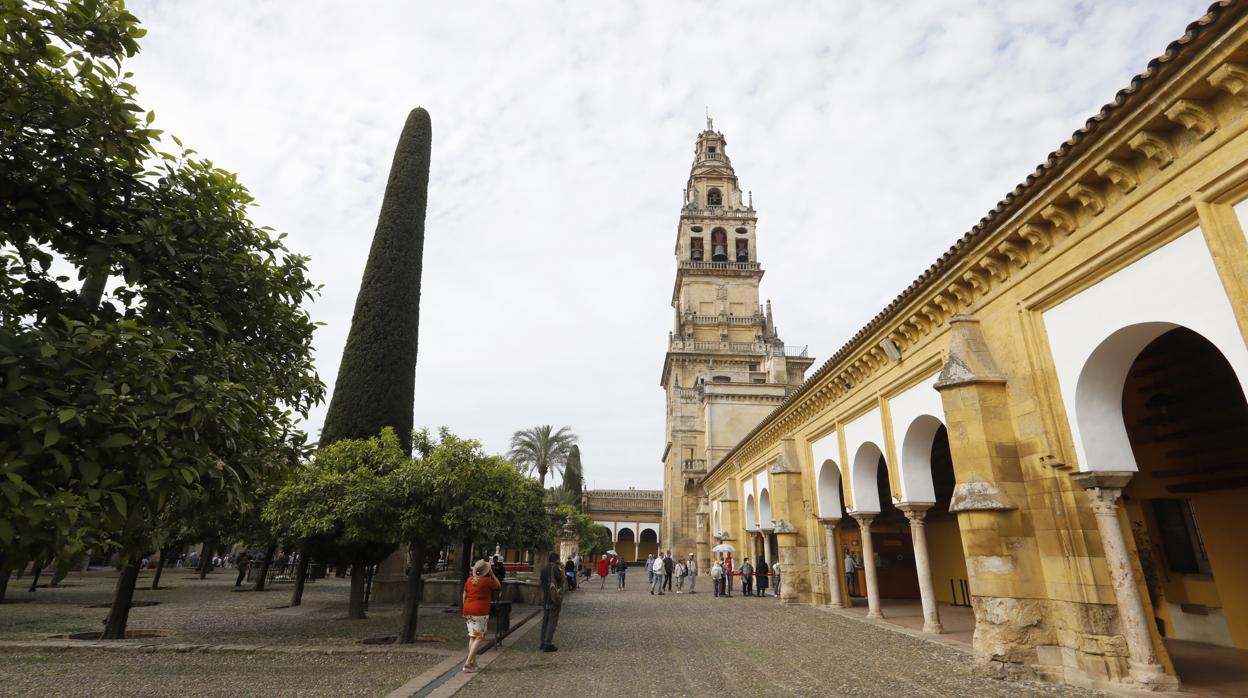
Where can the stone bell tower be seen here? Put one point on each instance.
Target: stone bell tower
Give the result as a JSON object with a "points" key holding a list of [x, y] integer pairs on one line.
{"points": [[726, 367]]}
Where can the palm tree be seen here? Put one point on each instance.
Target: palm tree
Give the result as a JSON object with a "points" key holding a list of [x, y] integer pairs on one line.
{"points": [[541, 449]]}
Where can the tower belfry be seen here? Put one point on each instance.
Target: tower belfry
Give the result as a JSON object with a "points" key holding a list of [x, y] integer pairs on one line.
{"points": [[726, 367]]}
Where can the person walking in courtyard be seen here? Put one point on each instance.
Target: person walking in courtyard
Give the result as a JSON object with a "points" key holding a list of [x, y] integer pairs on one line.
{"points": [[500, 570], [554, 582], [760, 575], [650, 570], [478, 591], [604, 568], [692, 568], [717, 579], [851, 574], [775, 572], [680, 572], [569, 569], [621, 568], [668, 570], [728, 574], [747, 577], [656, 583]]}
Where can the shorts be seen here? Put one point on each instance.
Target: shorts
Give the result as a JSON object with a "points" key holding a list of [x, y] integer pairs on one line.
{"points": [[477, 625]]}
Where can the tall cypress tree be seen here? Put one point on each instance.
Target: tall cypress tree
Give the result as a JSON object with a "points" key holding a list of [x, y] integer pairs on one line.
{"points": [[376, 384]]}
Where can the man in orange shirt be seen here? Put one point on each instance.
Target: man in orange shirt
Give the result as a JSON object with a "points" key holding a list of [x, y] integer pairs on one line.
{"points": [[478, 591]]}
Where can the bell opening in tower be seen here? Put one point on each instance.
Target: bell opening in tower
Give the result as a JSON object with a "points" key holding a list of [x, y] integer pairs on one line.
{"points": [[714, 198], [719, 245]]}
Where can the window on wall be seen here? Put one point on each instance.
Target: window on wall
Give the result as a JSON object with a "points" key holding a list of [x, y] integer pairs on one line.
{"points": [[695, 249], [714, 198], [721, 379], [743, 250], [1180, 536], [719, 245]]}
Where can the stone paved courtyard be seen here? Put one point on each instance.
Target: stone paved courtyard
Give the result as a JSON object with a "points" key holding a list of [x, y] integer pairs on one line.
{"points": [[632, 644], [611, 644]]}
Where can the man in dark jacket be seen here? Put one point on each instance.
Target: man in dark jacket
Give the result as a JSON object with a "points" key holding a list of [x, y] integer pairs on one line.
{"points": [[500, 570], [554, 583], [667, 569]]}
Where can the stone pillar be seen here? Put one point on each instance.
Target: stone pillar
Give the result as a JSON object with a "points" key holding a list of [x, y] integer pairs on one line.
{"points": [[868, 564], [793, 577], [390, 582], [835, 563], [569, 539], [1104, 488], [922, 565], [768, 551], [703, 547]]}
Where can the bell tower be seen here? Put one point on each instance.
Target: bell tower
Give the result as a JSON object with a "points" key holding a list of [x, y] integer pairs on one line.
{"points": [[726, 367]]}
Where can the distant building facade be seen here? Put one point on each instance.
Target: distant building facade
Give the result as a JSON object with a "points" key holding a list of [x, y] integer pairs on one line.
{"points": [[1049, 424], [633, 516]]}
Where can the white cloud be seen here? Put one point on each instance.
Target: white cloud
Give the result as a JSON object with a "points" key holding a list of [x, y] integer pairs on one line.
{"points": [[872, 134]]}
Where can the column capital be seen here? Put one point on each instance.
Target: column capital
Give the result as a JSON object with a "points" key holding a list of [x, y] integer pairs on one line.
{"points": [[1104, 488], [829, 523], [915, 511], [865, 518]]}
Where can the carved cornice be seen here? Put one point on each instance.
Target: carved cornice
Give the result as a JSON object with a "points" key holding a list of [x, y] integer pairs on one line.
{"points": [[1029, 224], [1232, 78]]}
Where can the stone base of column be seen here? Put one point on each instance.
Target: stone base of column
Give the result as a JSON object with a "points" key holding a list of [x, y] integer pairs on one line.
{"points": [[1152, 677], [933, 628], [874, 614], [390, 581]]}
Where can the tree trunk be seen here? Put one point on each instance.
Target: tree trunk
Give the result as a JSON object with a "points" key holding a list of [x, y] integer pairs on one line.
{"points": [[119, 614], [411, 599], [160, 566], [359, 574], [301, 576], [205, 559], [264, 567], [34, 582], [4, 576]]}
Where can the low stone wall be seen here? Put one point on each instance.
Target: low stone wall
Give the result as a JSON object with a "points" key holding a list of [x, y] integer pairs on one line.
{"points": [[447, 590]]}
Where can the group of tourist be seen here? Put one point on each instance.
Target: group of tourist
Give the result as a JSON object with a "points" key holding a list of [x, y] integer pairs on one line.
{"points": [[754, 576], [662, 569]]}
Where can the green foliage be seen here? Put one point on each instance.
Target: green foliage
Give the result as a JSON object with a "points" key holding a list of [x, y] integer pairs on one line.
{"points": [[482, 497], [594, 539], [349, 494], [541, 449], [184, 381], [377, 377], [573, 485]]}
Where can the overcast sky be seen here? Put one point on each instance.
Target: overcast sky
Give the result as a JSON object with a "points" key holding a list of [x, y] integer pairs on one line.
{"points": [[873, 134]]}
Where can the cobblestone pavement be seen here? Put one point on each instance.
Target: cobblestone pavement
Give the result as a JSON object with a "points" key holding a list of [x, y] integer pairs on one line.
{"points": [[634, 644]]}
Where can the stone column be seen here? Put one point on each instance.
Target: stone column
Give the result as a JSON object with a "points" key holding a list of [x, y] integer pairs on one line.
{"points": [[1104, 488], [922, 565], [701, 542], [768, 550], [868, 564], [390, 582], [835, 563]]}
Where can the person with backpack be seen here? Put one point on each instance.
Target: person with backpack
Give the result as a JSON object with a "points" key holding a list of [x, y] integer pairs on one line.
{"points": [[747, 577], [668, 570], [680, 572], [554, 583], [621, 569], [717, 578]]}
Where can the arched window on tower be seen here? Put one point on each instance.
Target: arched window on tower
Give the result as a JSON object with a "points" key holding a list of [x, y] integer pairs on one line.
{"points": [[743, 250], [695, 249], [719, 245], [714, 198]]}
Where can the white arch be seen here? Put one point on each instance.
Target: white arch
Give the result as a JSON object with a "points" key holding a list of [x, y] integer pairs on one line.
{"points": [[764, 509], [828, 490], [1174, 285], [916, 460], [863, 476], [751, 522]]}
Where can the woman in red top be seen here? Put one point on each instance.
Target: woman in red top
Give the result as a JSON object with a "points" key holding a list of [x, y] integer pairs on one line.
{"points": [[604, 568], [478, 591]]}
